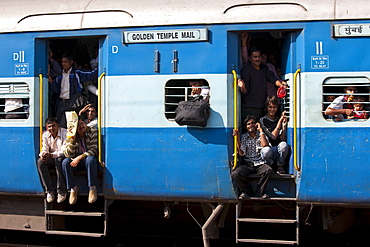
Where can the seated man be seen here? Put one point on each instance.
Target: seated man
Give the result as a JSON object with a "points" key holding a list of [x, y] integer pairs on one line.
{"points": [[249, 147], [52, 155], [81, 151], [91, 116], [275, 129]]}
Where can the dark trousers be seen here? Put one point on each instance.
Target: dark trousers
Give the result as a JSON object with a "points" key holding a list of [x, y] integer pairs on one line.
{"points": [[90, 164], [61, 116], [241, 173], [257, 112], [43, 168]]}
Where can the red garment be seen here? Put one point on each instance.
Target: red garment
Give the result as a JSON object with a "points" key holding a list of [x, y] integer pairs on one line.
{"points": [[360, 114]]}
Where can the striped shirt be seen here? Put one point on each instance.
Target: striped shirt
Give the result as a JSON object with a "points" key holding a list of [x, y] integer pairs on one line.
{"points": [[72, 147]]}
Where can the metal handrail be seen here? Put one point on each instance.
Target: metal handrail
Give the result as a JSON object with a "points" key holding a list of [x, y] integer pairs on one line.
{"points": [[99, 118], [235, 117], [295, 120], [41, 110]]}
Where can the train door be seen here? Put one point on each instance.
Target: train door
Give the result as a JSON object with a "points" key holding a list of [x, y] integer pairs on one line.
{"points": [[278, 50], [48, 56], [280, 54]]}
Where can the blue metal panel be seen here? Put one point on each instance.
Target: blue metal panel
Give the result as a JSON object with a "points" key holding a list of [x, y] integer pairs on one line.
{"points": [[335, 165], [18, 158], [168, 162], [16, 49], [338, 50]]}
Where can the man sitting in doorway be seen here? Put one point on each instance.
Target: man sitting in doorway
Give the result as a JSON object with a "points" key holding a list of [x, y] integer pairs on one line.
{"points": [[81, 151], [91, 119], [52, 155], [249, 146]]}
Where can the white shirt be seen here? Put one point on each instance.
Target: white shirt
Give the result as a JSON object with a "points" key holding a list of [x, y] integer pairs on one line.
{"points": [[53, 145], [64, 87], [338, 104], [93, 123]]}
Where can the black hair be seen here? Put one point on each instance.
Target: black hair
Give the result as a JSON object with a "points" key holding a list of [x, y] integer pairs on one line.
{"points": [[249, 117], [201, 82], [358, 99], [80, 117], [271, 99], [68, 55], [50, 120], [254, 49]]}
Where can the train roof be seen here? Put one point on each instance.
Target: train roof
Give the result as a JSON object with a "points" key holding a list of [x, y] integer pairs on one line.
{"points": [[42, 15]]}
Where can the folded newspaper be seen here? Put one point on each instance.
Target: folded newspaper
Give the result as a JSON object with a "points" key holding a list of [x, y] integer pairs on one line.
{"points": [[72, 122]]}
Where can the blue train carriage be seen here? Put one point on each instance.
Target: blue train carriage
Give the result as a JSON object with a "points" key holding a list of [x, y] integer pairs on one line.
{"points": [[146, 61]]}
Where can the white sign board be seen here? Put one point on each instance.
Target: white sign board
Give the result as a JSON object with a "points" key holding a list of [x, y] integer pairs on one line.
{"points": [[351, 30], [165, 36]]}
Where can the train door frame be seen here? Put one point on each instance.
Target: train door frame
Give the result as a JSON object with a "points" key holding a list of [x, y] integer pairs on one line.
{"points": [[285, 39], [41, 49]]}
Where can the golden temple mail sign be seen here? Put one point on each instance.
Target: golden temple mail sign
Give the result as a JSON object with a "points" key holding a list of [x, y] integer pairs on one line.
{"points": [[165, 36], [351, 30]]}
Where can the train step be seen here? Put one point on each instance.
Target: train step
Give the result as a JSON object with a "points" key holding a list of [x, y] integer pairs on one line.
{"points": [[72, 213], [258, 220], [271, 198], [80, 219], [254, 220], [267, 241], [275, 176], [70, 233]]}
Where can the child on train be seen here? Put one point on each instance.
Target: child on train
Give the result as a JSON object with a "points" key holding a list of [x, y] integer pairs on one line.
{"points": [[358, 109]]}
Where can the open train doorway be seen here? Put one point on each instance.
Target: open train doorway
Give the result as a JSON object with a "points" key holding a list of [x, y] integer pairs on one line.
{"points": [[85, 54], [278, 54]]}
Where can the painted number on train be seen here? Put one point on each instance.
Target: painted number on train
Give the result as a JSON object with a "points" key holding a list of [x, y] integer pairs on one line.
{"points": [[165, 35], [20, 68]]}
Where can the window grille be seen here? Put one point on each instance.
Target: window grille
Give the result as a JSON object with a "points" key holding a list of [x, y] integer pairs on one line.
{"points": [[14, 100], [176, 91], [335, 87]]}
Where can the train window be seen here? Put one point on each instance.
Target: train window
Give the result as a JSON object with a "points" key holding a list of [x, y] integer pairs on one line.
{"points": [[350, 93], [180, 90], [14, 101]]}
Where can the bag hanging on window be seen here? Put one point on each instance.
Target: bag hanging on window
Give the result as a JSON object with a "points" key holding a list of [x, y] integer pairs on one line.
{"points": [[194, 113]]}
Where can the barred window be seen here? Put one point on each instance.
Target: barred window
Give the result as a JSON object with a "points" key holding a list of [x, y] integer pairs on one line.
{"points": [[181, 90], [14, 100], [346, 93]]}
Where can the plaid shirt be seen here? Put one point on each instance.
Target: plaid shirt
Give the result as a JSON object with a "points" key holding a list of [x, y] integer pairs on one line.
{"points": [[72, 146], [251, 148]]}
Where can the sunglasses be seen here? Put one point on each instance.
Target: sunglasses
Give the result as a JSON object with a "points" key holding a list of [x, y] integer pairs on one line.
{"points": [[251, 123]]}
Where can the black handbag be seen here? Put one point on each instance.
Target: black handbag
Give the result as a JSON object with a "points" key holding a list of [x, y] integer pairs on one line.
{"points": [[77, 101], [194, 113]]}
